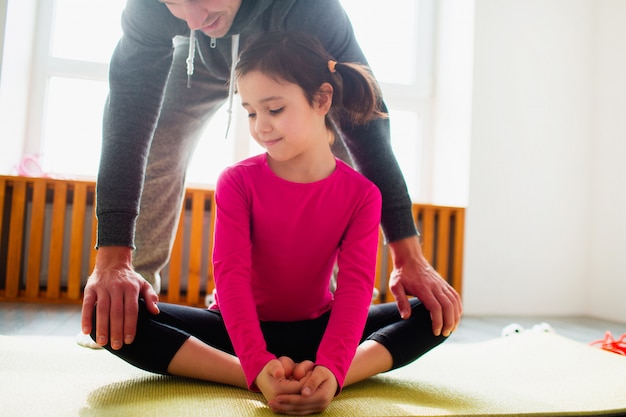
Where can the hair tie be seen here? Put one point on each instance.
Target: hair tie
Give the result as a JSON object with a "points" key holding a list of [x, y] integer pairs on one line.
{"points": [[331, 65]]}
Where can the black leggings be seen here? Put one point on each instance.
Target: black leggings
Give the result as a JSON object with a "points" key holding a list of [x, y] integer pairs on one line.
{"points": [[159, 337]]}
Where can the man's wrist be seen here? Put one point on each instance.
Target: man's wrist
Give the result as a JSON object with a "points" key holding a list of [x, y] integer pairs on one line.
{"points": [[405, 249], [121, 256]]}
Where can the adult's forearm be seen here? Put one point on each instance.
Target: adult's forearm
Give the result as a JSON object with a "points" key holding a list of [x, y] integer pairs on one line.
{"points": [[137, 75], [125, 146], [370, 148]]}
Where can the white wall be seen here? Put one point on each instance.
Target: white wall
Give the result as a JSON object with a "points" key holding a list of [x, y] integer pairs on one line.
{"points": [[546, 220], [528, 230], [606, 286]]}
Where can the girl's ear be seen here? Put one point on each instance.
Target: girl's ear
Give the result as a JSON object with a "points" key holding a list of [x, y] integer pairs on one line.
{"points": [[324, 98]]}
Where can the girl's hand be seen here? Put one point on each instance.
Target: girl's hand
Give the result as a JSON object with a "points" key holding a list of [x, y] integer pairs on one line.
{"points": [[276, 379], [318, 390], [302, 370]]}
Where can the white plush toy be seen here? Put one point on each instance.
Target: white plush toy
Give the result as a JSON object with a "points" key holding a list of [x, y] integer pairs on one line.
{"points": [[514, 328], [543, 327]]}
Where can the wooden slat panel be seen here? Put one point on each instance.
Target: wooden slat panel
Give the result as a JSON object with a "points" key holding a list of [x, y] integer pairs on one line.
{"points": [[55, 261], [195, 244], [77, 238], [379, 279], [210, 285], [428, 232], [16, 239], [3, 185], [448, 221], [443, 242], [459, 242], [35, 247], [94, 234], [176, 261], [384, 288]]}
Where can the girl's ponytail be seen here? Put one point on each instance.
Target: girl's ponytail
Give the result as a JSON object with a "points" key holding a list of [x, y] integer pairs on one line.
{"points": [[356, 91]]}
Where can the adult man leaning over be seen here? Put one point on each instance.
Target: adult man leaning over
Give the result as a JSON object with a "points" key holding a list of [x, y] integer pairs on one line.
{"points": [[160, 99]]}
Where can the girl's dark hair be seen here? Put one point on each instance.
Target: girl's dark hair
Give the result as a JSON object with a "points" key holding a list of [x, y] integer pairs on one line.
{"points": [[300, 59]]}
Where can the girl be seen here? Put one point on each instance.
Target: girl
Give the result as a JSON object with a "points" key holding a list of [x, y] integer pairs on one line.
{"points": [[284, 219]]}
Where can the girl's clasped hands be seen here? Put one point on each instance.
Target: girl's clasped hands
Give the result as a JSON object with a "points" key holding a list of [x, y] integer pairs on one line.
{"points": [[296, 388]]}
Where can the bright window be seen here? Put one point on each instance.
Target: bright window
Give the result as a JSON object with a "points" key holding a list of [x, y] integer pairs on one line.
{"points": [[399, 51], [77, 35], [391, 47], [69, 86], [73, 124]]}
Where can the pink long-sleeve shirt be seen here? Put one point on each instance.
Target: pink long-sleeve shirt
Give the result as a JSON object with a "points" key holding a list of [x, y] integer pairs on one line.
{"points": [[276, 243]]}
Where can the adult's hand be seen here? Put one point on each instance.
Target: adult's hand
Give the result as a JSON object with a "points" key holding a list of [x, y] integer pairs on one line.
{"points": [[412, 275], [114, 288], [318, 390]]}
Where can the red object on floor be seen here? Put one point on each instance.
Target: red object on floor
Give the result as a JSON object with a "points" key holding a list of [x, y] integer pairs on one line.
{"points": [[612, 345]]}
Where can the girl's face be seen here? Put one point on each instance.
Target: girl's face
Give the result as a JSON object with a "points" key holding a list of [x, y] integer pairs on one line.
{"points": [[281, 119]]}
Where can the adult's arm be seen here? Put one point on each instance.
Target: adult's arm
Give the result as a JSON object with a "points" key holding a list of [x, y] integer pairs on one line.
{"points": [[370, 148], [137, 77], [369, 145]]}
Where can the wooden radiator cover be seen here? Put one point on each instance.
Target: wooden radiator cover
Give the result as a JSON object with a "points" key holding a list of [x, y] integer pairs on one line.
{"points": [[48, 233]]}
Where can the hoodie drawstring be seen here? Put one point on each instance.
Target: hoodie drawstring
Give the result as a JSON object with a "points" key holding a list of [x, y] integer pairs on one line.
{"points": [[190, 56], [234, 53]]}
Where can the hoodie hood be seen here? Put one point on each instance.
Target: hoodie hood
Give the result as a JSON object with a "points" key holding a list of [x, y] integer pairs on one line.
{"points": [[247, 15], [249, 12]]}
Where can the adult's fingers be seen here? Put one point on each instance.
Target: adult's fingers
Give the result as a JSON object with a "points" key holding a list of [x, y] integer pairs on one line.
{"points": [[89, 302], [445, 308], [129, 324], [453, 310], [117, 314], [102, 319], [150, 297], [402, 300]]}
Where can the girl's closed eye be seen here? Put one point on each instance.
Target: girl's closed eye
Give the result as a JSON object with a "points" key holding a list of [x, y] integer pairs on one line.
{"points": [[270, 111]]}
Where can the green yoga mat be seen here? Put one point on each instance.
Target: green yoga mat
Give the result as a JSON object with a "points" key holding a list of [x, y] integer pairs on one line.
{"points": [[538, 374]]}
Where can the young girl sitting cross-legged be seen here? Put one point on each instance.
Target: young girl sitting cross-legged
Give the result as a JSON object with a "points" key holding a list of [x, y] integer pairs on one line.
{"points": [[284, 219]]}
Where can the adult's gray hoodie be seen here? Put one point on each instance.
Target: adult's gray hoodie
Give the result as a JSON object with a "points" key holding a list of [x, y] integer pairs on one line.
{"points": [[138, 73]]}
